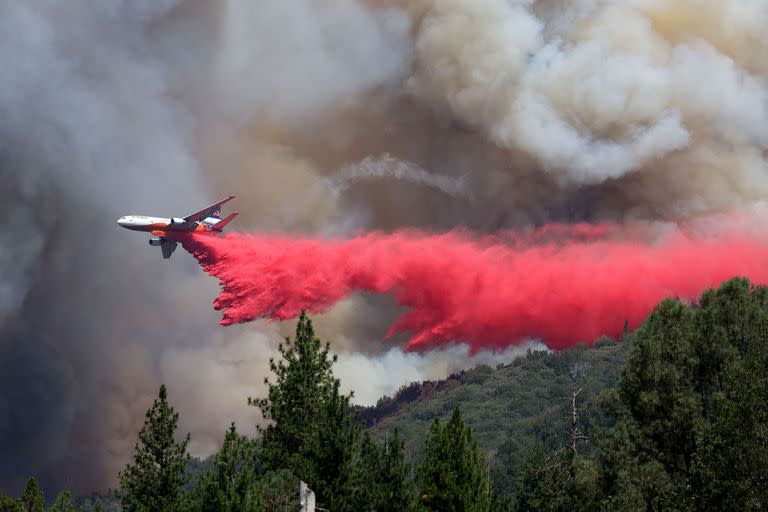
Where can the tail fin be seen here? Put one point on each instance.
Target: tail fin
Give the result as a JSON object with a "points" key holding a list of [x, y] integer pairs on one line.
{"points": [[219, 226]]}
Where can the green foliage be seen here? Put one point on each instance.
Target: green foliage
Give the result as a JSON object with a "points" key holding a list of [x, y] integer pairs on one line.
{"points": [[730, 467], [478, 376], [381, 480], [311, 433], [557, 481], [108, 502], [230, 486], [32, 498], [63, 503], [194, 471], [278, 491], [604, 341], [516, 407], [690, 407], [8, 504], [454, 475], [534, 480], [153, 482]]}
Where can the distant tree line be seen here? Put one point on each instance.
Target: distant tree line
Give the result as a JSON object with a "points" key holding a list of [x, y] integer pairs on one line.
{"points": [[687, 431]]}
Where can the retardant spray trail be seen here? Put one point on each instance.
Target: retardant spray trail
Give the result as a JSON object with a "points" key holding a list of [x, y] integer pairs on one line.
{"points": [[489, 292]]}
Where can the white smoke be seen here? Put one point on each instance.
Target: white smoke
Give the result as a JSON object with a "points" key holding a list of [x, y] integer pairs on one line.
{"points": [[371, 377], [291, 60], [595, 91]]}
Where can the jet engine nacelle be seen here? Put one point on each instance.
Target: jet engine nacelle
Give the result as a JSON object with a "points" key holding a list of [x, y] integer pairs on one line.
{"points": [[176, 220], [155, 242]]}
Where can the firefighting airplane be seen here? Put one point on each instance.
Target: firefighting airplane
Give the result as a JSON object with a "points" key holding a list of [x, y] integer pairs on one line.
{"points": [[206, 220]]}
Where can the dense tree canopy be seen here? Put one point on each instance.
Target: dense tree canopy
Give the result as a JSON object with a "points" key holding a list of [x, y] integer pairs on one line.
{"points": [[691, 406], [153, 481]]}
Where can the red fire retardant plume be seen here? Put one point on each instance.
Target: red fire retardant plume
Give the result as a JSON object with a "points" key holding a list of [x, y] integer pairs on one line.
{"points": [[565, 285]]}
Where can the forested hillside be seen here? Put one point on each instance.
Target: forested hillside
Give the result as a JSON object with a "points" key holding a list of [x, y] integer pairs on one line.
{"points": [[512, 407]]}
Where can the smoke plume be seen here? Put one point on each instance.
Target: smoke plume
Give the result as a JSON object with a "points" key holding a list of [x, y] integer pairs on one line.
{"points": [[328, 120]]}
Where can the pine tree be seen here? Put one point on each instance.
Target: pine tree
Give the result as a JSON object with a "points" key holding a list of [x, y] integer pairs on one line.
{"points": [[230, 486], [397, 485], [32, 498], [453, 476], [659, 401], [153, 482], [730, 466], [311, 432], [337, 437]]}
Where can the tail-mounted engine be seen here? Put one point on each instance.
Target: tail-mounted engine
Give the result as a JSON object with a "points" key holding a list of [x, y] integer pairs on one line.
{"points": [[155, 242]]}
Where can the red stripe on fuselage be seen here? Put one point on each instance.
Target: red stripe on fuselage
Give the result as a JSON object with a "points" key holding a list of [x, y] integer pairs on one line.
{"points": [[158, 228]]}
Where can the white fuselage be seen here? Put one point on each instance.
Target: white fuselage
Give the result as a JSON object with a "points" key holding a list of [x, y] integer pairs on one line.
{"points": [[144, 223]]}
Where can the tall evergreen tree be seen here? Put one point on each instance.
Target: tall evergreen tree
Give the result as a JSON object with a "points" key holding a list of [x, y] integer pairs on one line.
{"points": [[453, 476], [154, 481], [32, 498], [730, 466], [311, 432]]}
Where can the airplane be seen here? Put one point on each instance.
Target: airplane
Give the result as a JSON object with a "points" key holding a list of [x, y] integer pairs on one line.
{"points": [[207, 220]]}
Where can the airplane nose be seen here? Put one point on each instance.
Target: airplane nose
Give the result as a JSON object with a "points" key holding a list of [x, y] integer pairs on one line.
{"points": [[122, 222]]}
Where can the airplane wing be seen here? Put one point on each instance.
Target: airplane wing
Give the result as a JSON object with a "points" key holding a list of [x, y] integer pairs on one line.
{"points": [[167, 246], [200, 215]]}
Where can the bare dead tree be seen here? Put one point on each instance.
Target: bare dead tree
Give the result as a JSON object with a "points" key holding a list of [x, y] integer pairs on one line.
{"points": [[576, 433], [576, 372]]}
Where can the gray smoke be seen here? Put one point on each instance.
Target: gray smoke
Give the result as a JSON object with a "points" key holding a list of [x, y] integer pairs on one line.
{"points": [[488, 113], [88, 131]]}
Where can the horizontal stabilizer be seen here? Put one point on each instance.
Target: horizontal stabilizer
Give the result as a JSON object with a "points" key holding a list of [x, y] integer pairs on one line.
{"points": [[208, 211], [219, 226]]}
